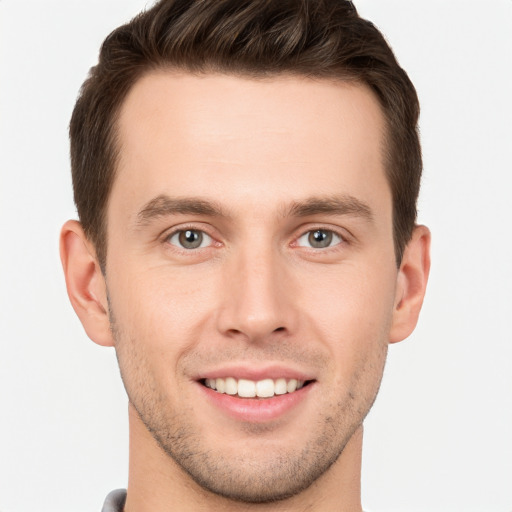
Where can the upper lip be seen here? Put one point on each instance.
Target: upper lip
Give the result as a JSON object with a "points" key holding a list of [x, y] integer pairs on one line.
{"points": [[255, 372]]}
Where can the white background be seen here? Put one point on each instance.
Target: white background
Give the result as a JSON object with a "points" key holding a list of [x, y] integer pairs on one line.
{"points": [[439, 437]]}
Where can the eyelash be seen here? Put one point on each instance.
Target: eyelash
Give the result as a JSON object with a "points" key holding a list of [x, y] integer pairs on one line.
{"points": [[182, 229], [343, 239]]}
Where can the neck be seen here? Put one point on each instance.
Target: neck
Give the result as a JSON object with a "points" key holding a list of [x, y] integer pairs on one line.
{"points": [[157, 484]]}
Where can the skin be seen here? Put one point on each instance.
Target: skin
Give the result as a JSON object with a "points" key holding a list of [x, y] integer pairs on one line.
{"points": [[264, 163]]}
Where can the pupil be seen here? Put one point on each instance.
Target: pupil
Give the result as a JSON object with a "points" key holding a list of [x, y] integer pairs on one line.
{"points": [[320, 239], [190, 239]]}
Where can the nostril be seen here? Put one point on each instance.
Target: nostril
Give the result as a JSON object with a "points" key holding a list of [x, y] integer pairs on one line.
{"points": [[279, 329]]}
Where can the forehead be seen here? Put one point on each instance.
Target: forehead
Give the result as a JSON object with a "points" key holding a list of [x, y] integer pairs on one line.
{"points": [[241, 139]]}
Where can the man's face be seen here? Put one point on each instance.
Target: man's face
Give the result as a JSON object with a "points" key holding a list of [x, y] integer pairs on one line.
{"points": [[249, 247]]}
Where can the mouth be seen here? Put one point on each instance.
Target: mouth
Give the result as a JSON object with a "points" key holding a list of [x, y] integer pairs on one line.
{"points": [[245, 388]]}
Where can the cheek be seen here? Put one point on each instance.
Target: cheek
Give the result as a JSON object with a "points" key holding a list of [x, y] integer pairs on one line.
{"points": [[351, 297], [160, 306], [351, 311]]}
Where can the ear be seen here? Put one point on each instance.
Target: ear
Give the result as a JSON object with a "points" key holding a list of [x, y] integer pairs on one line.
{"points": [[411, 284], [85, 283]]}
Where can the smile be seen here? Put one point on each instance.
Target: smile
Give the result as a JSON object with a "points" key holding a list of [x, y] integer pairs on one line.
{"points": [[244, 388]]}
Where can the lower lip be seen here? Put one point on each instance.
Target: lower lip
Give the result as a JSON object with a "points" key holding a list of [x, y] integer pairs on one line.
{"points": [[257, 410]]}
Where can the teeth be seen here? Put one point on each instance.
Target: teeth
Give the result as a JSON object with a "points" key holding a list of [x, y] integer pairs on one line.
{"points": [[246, 388], [291, 386], [265, 388], [231, 386], [280, 387], [220, 385]]}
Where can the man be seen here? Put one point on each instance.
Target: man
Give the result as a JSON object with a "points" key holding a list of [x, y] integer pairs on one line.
{"points": [[246, 175]]}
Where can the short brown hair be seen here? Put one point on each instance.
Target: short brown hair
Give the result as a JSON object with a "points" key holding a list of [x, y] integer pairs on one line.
{"points": [[258, 38]]}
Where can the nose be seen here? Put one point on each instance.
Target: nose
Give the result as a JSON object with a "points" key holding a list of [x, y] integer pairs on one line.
{"points": [[257, 297]]}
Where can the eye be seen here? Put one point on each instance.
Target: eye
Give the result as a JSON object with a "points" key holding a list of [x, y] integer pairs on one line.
{"points": [[190, 239], [319, 239]]}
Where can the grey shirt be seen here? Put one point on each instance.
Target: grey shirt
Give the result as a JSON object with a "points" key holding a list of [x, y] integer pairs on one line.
{"points": [[114, 501]]}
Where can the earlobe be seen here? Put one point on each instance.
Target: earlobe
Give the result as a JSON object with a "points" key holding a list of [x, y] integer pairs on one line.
{"points": [[85, 283], [411, 284]]}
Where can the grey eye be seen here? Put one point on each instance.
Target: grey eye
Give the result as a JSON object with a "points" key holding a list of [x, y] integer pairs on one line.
{"points": [[190, 239], [319, 239]]}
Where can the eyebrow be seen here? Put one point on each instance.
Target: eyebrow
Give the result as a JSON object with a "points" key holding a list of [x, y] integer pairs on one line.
{"points": [[163, 205], [331, 205]]}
